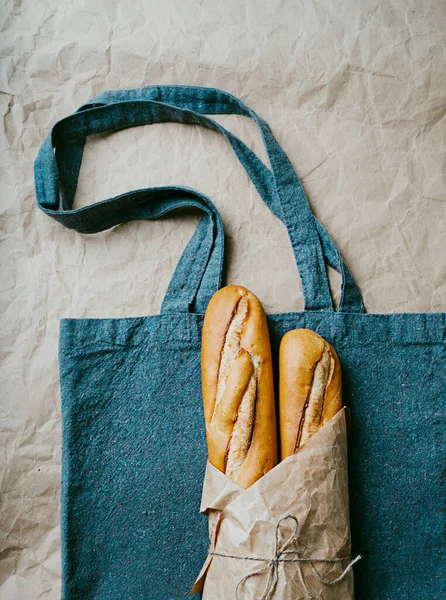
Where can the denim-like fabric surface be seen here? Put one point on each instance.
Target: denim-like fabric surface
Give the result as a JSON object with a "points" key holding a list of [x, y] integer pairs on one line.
{"points": [[134, 449]]}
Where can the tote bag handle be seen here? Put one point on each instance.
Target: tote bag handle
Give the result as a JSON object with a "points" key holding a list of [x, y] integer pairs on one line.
{"points": [[56, 175]]}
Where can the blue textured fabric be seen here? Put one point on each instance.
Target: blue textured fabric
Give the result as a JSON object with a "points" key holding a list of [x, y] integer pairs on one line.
{"points": [[133, 438]]}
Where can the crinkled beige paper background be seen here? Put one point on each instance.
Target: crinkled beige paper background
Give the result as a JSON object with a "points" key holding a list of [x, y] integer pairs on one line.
{"points": [[354, 90]]}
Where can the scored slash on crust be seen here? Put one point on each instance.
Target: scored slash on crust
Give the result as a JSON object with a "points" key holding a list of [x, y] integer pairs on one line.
{"points": [[310, 387], [238, 386], [237, 389], [314, 404]]}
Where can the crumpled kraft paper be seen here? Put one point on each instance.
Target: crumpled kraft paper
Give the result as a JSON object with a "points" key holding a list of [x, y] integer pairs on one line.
{"points": [[304, 498], [353, 90]]}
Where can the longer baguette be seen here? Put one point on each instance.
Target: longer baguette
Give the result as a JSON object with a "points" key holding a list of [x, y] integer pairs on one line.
{"points": [[310, 387], [238, 388]]}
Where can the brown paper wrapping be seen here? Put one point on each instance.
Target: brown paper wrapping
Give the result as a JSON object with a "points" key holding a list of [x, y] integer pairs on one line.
{"points": [[312, 486]]}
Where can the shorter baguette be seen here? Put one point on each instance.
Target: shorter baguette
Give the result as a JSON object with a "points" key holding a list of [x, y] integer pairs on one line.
{"points": [[310, 387], [238, 388]]}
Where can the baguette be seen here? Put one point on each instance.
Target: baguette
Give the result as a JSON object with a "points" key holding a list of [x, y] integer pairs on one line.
{"points": [[310, 387], [238, 388]]}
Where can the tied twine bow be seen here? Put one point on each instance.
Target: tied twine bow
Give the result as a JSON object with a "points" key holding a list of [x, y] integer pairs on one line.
{"points": [[282, 554]]}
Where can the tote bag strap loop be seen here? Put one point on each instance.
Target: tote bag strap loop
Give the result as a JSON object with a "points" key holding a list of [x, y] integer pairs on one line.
{"points": [[199, 270], [213, 101], [280, 188], [262, 177]]}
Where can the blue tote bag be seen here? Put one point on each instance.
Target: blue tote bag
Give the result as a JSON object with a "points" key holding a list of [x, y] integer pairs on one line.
{"points": [[133, 441]]}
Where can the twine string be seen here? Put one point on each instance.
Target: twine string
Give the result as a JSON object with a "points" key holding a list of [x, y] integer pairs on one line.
{"points": [[283, 554]]}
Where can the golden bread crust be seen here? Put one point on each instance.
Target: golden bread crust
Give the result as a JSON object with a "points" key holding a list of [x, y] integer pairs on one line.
{"points": [[238, 388], [310, 387]]}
